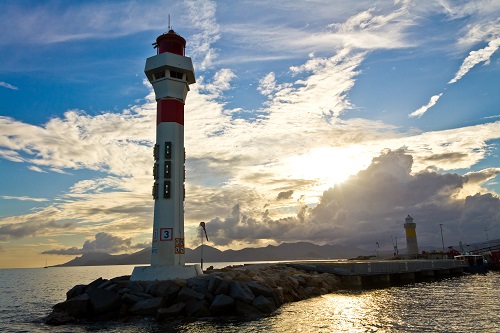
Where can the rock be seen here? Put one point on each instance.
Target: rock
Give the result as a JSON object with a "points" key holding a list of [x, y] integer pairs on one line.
{"points": [[278, 296], [94, 284], [239, 291], [59, 318], [214, 282], [199, 284], [247, 310], [135, 287], [264, 304], [120, 278], [131, 298], [102, 300], [186, 294], [170, 312], [195, 306], [258, 289], [168, 289], [105, 284], [75, 291], [77, 307], [222, 305], [223, 287], [147, 307], [114, 288]]}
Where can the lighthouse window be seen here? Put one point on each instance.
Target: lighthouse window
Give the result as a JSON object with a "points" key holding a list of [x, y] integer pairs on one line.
{"points": [[168, 150], [166, 189], [159, 75], [176, 75], [167, 169]]}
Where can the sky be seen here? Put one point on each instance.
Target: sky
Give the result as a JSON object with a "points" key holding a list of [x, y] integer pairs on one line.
{"points": [[322, 121]]}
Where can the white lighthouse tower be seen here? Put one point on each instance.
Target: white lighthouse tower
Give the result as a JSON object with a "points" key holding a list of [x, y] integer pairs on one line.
{"points": [[170, 72], [411, 237]]}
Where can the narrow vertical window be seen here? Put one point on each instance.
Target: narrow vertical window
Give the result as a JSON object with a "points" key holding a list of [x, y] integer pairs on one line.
{"points": [[168, 166], [168, 150], [166, 189]]}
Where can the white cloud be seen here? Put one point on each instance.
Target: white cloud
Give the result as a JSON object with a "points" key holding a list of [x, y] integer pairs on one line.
{"points": [[423, 109], [36, 169], [476, 57], [202, 16], [23, 198], [8, 86]]}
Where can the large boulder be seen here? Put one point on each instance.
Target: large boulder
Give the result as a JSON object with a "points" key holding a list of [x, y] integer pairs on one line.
{"points": [[241, 292], [170, 312], [188, 294], [148, 307], [102, 300], [76, 291], [222, 305], [77, 307], [264, 304], [168, 289], [246, 310], [197, 308], [258, 289]]}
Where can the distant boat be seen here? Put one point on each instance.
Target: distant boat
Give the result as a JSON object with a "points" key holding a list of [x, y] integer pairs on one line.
{"points": [[474, 263], [46, 264]]}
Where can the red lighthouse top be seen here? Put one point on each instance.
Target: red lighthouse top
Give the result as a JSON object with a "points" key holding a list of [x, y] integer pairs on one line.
{"points": [[170, 42]]}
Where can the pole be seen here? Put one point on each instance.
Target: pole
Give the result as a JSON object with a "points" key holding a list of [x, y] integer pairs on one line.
{"points": [[442, 239], [201, 250]]}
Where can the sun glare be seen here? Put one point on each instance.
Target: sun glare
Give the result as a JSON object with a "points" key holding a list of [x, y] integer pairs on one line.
{"points": [[329, 166]]}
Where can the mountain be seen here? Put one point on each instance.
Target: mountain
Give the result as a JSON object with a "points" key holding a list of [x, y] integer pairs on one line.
{"points": [[285, 251]]}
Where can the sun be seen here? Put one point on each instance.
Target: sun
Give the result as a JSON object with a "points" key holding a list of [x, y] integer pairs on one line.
{"points": [[327, 165]]}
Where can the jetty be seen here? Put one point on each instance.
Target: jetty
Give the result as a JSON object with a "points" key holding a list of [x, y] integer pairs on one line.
{"points": [[359, 274], [247, 292]]}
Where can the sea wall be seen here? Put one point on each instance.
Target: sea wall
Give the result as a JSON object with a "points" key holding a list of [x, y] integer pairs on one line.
{"points": [[246, 292]]}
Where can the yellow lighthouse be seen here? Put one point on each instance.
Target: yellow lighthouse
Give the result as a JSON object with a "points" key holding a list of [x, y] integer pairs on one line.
{"points": [[411, 237]]}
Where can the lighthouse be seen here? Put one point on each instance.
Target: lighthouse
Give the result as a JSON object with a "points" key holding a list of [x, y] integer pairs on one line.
{"points": [[411, 237], [170, 72]]}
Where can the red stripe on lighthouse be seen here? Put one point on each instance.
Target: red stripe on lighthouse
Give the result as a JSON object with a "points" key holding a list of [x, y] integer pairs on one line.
{"points": [[169, 111]]}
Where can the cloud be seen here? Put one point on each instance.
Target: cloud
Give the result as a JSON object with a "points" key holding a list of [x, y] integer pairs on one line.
{"points": [[103, 243], [285, 195], [202, 16], [80, 21], [34, 224], [476, 57], [23, 198], [8, 86], [371, 206], [423, 109]]}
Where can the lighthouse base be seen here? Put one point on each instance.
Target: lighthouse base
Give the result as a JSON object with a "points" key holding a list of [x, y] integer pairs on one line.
{"points": [[163, 273]]}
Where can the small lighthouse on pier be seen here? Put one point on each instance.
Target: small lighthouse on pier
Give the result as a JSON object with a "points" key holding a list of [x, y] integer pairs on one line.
{"points": [[411, 237], [170, 72]]}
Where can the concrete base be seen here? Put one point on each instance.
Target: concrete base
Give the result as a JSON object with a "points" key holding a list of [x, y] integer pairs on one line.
{"points": [[163, 273]]}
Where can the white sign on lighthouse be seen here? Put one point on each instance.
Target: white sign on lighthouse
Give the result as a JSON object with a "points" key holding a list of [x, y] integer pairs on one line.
{"points": [[170, 72]]}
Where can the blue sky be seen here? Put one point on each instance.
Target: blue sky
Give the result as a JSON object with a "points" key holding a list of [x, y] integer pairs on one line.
{"points": [[321, 121]]}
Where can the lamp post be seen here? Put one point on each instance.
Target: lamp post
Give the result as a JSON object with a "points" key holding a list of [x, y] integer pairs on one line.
{"points": [[442, 239]]}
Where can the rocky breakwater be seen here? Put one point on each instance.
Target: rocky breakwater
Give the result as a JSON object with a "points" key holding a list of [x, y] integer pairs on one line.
{"points": [[246, 292]]}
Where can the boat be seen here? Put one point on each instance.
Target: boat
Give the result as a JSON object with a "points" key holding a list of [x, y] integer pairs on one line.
{"points": [[474, 263], [46, 264]]}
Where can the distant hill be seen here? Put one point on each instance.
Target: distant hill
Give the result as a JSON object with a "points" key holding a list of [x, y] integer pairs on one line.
{"points": [[285, 251]]}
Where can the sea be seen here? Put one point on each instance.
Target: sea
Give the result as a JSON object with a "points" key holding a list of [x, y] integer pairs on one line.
{"points": [[467, 303]]}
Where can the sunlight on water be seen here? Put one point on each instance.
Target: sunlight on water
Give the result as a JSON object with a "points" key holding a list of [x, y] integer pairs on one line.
{"points": [[461, 304]]}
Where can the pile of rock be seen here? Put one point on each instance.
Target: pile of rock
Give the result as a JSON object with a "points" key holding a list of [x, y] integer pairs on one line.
{"points": [[247, 292]]}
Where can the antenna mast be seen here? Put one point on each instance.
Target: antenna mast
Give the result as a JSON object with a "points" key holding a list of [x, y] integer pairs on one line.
{"points": [[168, 22]]}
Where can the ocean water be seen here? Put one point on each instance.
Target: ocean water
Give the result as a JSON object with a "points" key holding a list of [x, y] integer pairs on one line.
{"points": [[469, 303]]}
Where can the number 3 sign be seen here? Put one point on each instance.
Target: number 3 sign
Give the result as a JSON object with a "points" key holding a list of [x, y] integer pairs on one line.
{"points": [[166, 234]]}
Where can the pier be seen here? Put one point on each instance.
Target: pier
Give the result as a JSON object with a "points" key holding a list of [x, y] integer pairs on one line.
{"points": [[382, 273]]}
